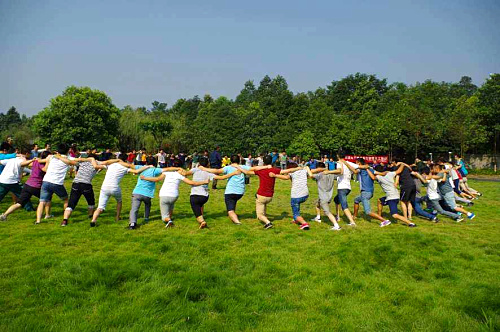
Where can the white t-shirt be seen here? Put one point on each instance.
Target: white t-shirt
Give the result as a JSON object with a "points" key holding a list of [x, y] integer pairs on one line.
{"points": [[10, 174], [450, 175], [344, 179], [56, 171], [114, 174], [432, 189], [299, 184], [199, 175], [170, 187]]}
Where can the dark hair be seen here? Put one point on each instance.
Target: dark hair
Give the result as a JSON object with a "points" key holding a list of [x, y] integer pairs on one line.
{"points": [[291, 165], [62, 148], [4, 146], [92, 155], [203, 161], [235, 159], [44, 154], [321, 165], [379, 168], [341, 154], [151, 161], [268, 160], [426, 170], [122, 157], [361, 161]]}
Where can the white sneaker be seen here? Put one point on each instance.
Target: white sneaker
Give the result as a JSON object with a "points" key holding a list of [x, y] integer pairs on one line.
{"points": [[49, 216], [351, 224], [385, 223], [316, 219], [335, 228], [3, 217]]}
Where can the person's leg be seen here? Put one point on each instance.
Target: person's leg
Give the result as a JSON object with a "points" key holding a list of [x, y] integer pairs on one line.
{"points": [[90, 198], [337, 205], [343, 202], [147, 208], [435, 204], [103, 201], [24, 199], [365, 200], [393, 206], [119, 203], [48, 207], [260, 208], [46, 193], [231, 200], [166, 207], [296, 202], [197, 202], [134, 210], [318, 211], [380, 205], [325, 206], [74, 197], [357, 200], [449, 198], [419, 211]]}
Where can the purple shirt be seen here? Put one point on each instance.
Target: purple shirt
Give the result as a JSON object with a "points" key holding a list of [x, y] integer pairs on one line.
{"points": [[36, 177]]}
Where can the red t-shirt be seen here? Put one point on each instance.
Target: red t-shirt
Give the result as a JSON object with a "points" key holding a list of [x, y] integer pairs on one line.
{"points": [[266, 187], [131, 157]]}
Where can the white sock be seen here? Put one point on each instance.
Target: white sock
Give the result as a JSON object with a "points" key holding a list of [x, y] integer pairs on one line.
{"points": [[469, 214], [318, 216]]}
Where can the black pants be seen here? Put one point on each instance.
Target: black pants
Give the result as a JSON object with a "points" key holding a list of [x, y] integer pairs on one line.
{"points": [[79, 189], [25, 197], [197, 202]]}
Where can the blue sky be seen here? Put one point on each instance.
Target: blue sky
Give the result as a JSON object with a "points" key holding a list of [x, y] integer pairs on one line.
{"points": [[141, 51]]}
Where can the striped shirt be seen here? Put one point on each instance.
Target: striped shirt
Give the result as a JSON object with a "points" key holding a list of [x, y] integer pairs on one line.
{"points": [[86, 173], [299, 184]]}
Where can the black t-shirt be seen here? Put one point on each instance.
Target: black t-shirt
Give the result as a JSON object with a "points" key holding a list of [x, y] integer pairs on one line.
{"points": [[405, 178], [106, 156]]}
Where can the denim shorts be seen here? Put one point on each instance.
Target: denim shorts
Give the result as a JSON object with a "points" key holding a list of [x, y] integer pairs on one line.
{"points": [[364, 198], [49, 188], [295, 203], [341, 198], [393, 204]]}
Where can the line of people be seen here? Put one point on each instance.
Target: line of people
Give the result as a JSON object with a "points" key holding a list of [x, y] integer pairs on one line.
{"points": [[447, 188]]}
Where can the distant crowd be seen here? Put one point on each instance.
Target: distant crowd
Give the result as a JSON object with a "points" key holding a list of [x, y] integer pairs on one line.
{"points": [[447, 190]]}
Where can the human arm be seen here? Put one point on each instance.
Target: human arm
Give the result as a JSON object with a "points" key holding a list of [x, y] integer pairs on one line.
{"points": [[419, 176], [396, 181], [173, 169], [68, 161], [111, 161], [348, 165], [258, 168], [153, 179], [195, 183], [371, 175], [401, 168], [280, 176], [226, 176], [26, 162], [290, 170], [318, 170], [212, 170], [143, 168]]}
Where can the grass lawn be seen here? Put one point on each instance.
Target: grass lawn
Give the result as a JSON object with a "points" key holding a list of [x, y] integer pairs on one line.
{"points": [[435, 277]]}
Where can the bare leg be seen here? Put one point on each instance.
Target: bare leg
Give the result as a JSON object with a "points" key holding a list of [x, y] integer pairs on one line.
{"points": [[356, 209], [410, 210], [332, 219], [400, 217], [379, 207], [48, 207], [118, 210], [376, 216], [404, 209], [318, 210], [337, 206], [65, 203], [348, 214], [12, 208], [90, 211], [67, 213], [96, 215], [39, 212], [234, 218], [300, 220]]}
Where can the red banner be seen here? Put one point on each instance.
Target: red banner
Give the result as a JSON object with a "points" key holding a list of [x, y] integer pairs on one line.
{"points": [[369, 159]]}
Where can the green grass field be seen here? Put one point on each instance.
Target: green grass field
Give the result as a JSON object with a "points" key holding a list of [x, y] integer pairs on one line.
{"points": [[436, 277]]}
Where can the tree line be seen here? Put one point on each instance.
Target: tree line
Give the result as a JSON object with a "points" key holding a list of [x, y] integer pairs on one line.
{"points": [[359, 113]]}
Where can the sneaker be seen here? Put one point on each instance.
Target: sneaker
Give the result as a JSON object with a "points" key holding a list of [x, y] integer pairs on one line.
{"points": [[412, 225], [470, 203], [316, 219], [169, 224], [304, 226], [459, 213], [131, 226], [203, 225], [471, 216], [385, 223], [293, 221], [64, 223], [49, 216], [3, 217], [435, 219], [267, 226], [92, 224], [146, 220], [335, 228], [351, 224], [459, 219]]}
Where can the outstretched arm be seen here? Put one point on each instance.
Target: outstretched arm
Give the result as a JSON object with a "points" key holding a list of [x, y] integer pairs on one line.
{"points": [[66, 160], [258, 168], [195, 183], [140, 170], [318, 170], [26, 163], [153, 179], [227, 176], [111, 161], [212, 170], [172, 169], [280, 176], [419, 176], [401, 168], [371, 175], [290, 170], [348, 165], [246, 172]]}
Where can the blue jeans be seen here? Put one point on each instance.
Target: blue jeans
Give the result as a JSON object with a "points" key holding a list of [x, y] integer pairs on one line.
{"points": [[364, 198], [418, 209], [295, 203], [341, 198], [49, 188]]}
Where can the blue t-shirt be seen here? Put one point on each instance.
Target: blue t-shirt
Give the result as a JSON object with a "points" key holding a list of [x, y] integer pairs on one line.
{"points": [[332, 165], [313, 164], [365, 181], [275, 157], [146, 188], [4, 156], [463, 169], [236, 183]]}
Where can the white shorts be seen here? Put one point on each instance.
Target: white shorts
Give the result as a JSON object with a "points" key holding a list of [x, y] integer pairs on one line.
{"points": [[105, 194]]}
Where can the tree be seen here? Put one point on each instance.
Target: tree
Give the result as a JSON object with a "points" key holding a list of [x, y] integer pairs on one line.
{"points": [[304, 146], [489, 101], [80, 115]]}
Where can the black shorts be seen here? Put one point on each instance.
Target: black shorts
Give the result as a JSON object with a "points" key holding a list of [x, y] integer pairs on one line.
{"points": [[26, 194], [79, 189], [197, 202], [231, 200], [408, 194]]}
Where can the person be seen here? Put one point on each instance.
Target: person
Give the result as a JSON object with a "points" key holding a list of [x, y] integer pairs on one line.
{"points": [[161, 159], [366, 185], [299, 192], [447, 192], [53, 182], [196, 159], [283, 159], [144, 191], [332, 164], [249, 163], [72, 154], [226, 161], [169, 192], [406, 185], [106, 155], [275, 156], [386, 179], [464, 172], [131, 157], [82, 184], [325, 183], [11, 176], [235, 188], [312, 163], [265, 192], [215, 163], [433, 195], [416, 203], [111, 186], [34, 151], [343, 187], [4, 154], [46, 148]]}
